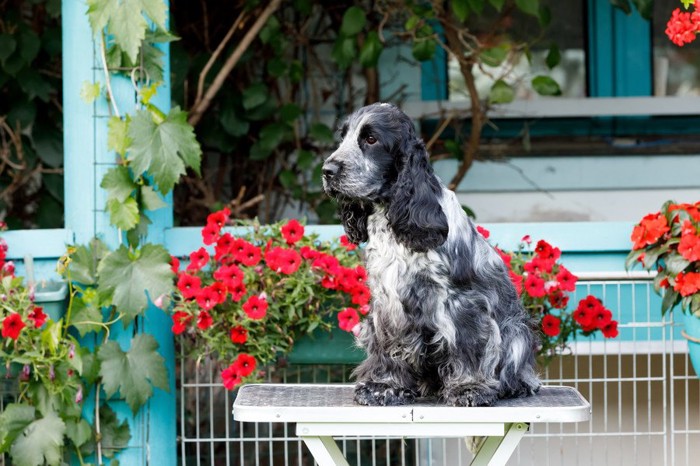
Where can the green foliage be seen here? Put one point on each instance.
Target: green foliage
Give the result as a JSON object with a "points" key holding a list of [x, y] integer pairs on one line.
{"points": [[40, 442], [133, 373], [501, 93], [544, 85]]}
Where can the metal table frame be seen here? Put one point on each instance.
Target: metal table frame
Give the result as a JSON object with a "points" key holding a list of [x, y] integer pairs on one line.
{"points": [[322, 412]]}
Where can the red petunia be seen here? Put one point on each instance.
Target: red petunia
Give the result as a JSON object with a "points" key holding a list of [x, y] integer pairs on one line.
{"points": [[601, 317], [244, 364], [610, 330], [327, 263], [309, 253], [567, 280], [650, 229], [345, 242], [223, 247], [526, 239], [189, 285], [37, 316], [546, 251], [210, 234], [229, 275], [283, 260], [237, 291], [218, 219], [207, 298], [360, 295], [538, 265], [517, 281], [250, 256], [534, 286], [483, 231], [175, 264], [551, 325], [180, 321], [12, 326], [558, 299], [204, 320], [198, 259], [255, 307], [239, 335], [292, 232], [347, 319], [230, 377], [586, 311]]}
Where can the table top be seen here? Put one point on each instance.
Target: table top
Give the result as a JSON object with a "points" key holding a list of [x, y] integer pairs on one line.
{"points": [[334, 403]]}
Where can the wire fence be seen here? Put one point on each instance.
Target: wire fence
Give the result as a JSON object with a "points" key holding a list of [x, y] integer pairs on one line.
{"points": [[644, 394]]}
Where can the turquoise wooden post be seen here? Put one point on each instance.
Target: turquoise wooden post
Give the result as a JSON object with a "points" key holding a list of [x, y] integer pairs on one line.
{"points": [[153, 429]]}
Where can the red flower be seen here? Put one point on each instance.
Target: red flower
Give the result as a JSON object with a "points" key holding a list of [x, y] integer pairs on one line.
{"points": [[526, 239], [567, 280], [204, 320], [189, 285], [610, 329], [180, 321], [255, 307], [309, 253], [361, 274], [650, 229], [207, 298], [601, 317], [517, 281], [534, 286], [231, 377], [37, 316], [551, 325], [538, 265], [329, 282], [507, 258], [558, 299], [483, 231], [687, 283], [293, 231], [360, 295], [547, 253], [282, 260], [250, 256], [229, 275], [348, 318], [327, 263], [244, 364], [347, 244], [689, 247], [12, 326], [223, 246], [586, 311], [218, 219], [198, 259], [210, 234], [237, 291], [175, 264], [680, 28], [239, 335]]}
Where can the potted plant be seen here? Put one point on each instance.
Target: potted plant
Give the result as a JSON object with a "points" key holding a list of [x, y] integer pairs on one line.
{"points": [[668, 242], [249, 293]]}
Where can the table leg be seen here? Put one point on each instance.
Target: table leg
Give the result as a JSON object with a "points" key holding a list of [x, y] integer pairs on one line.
{"points": [[496, 450], [325, 451]]}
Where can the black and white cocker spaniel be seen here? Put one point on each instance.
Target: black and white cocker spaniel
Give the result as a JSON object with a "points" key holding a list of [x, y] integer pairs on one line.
{"points": [[446, 320]]}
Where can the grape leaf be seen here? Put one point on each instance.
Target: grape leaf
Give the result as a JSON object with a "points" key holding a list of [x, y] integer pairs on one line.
{"points": [[89, 92], [128, 27], [134, 373], [79, 432], [99, 12], [123, 214], [41, 441], [164, 148], [461, 9], [14, 418], [155, 9], [118, 183], [354, 20], [118, 135], [126, 278], [150, 199], [84, 260]]}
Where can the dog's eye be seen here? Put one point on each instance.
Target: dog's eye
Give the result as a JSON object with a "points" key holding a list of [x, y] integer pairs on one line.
{"points": [[370, 140]]}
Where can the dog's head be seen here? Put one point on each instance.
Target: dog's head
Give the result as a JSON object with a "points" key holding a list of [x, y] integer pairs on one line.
{"points": [[381, 160]]}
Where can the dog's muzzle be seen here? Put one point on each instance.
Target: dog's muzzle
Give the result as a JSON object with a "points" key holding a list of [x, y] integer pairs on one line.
{"points": [[331, 171]]}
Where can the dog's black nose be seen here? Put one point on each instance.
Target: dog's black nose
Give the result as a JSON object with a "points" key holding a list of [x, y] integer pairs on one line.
{"points": [[330, 169]]}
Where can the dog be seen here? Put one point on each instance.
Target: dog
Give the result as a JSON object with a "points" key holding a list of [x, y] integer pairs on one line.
{"points": [[445, 319]]}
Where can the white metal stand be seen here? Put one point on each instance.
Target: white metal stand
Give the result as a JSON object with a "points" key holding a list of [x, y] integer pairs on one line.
{"points": [[323, 412]]}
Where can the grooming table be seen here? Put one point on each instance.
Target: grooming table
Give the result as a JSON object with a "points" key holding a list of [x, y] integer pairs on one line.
{"points": [[324, 411]]}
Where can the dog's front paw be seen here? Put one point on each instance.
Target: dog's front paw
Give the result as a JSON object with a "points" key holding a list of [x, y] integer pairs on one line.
{"points": [[379, 394], [471, 395]]}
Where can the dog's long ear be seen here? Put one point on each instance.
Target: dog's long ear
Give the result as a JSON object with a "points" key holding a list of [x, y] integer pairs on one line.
{"points": [[354, 217], [414, 210]]}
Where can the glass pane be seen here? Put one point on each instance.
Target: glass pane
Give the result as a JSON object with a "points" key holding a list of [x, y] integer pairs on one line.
{"points": [[684, 62], [566, 30]]}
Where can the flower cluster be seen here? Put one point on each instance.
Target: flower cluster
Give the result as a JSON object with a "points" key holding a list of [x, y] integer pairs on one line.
{"points": [[668, 241], [250, 292], [544, 286], [683, 26]]}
